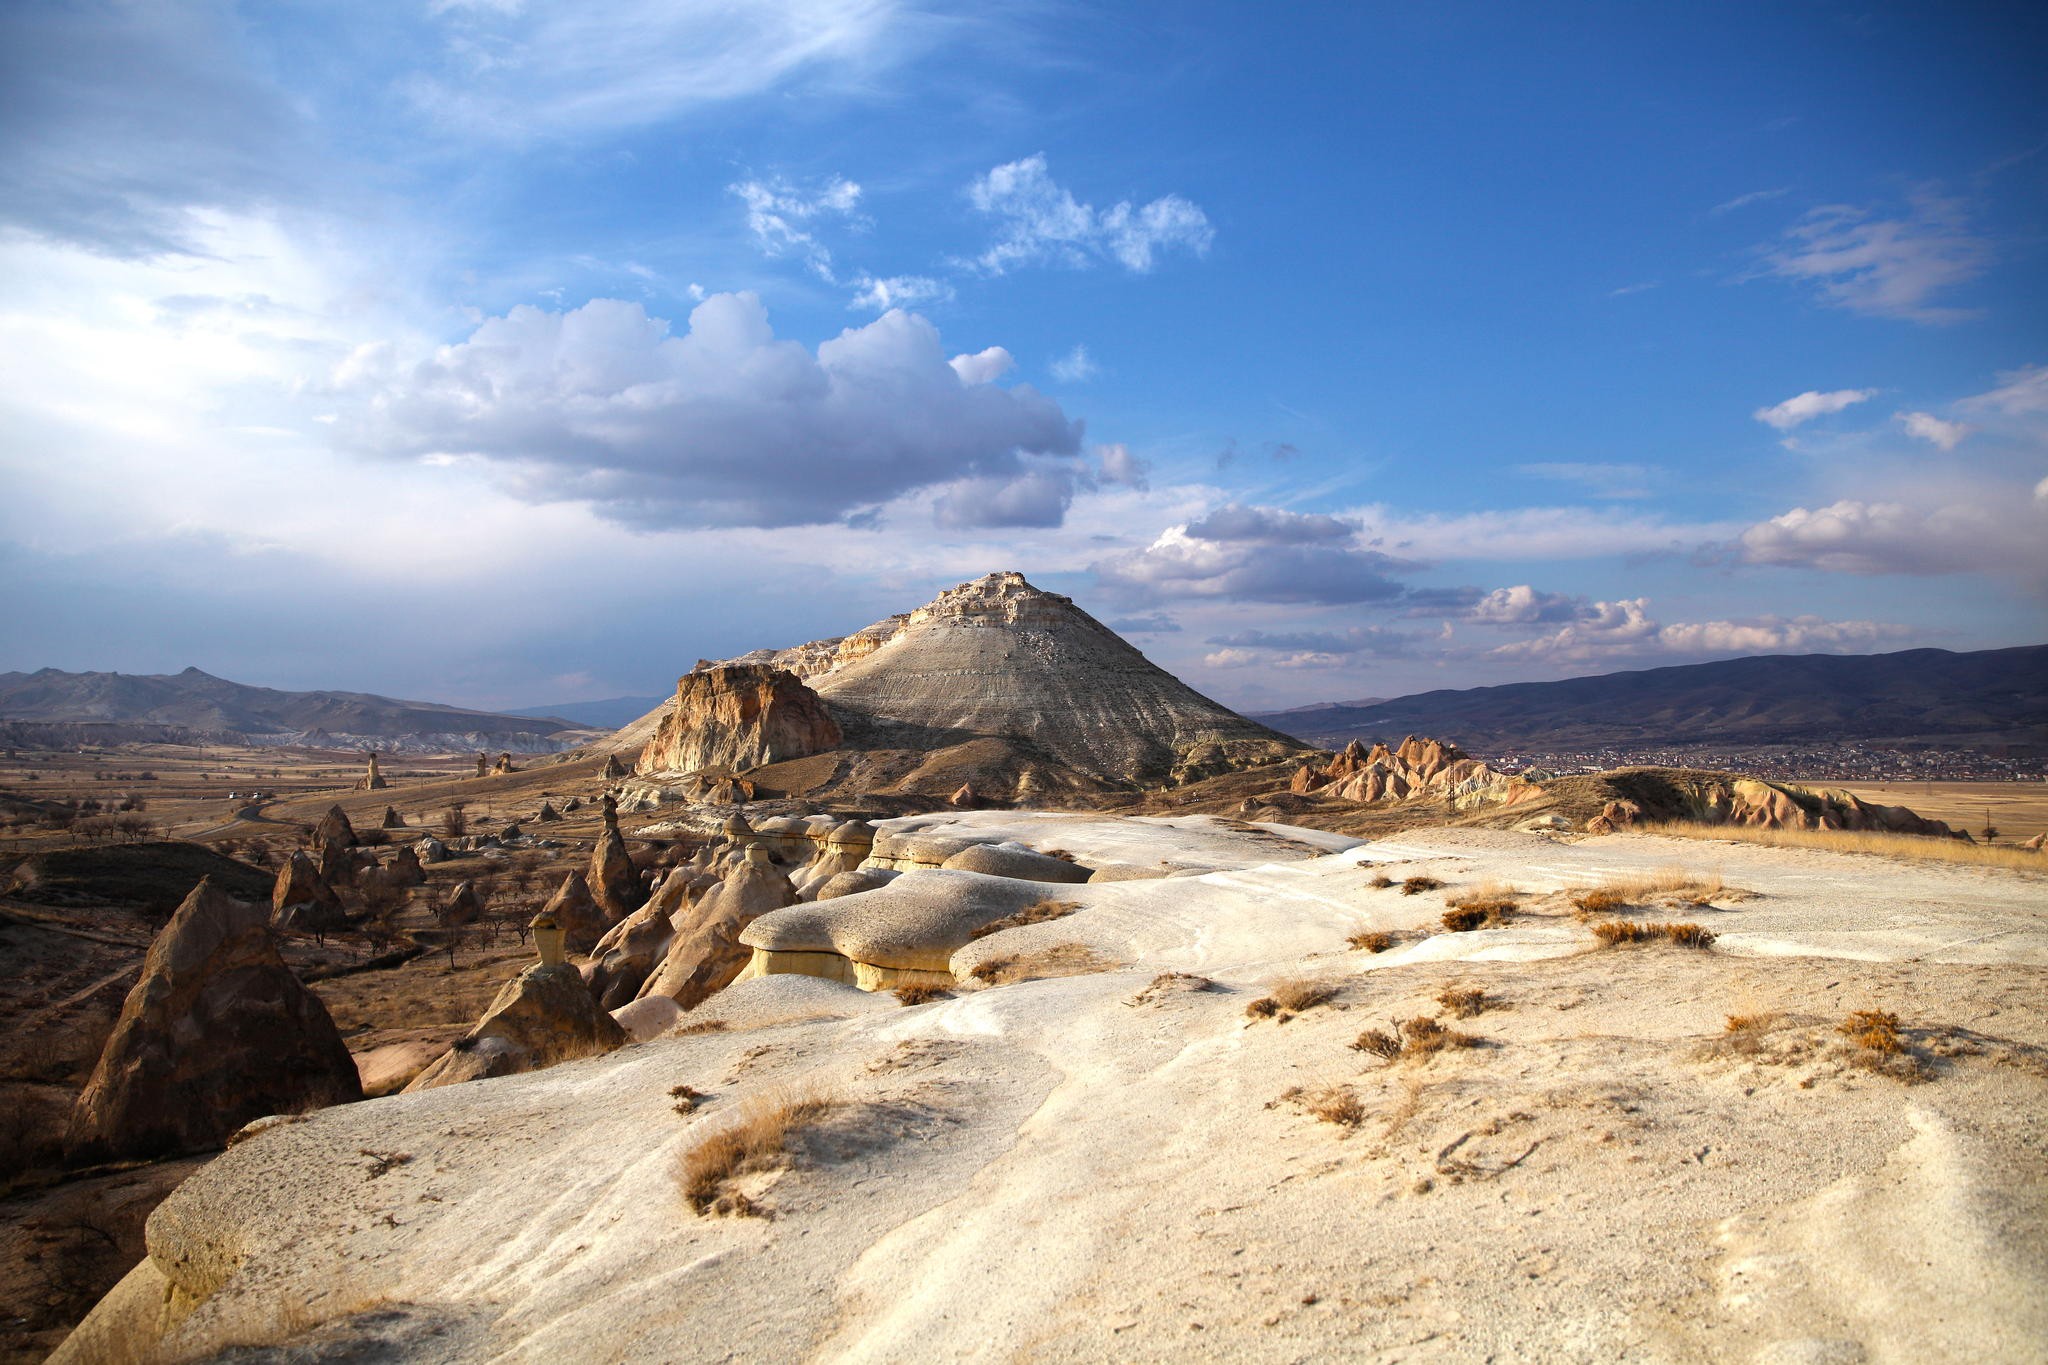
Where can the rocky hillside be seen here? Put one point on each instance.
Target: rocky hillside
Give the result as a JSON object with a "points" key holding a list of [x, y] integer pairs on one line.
{"points": [[992, 686], [1996, 696], [191, 706]]}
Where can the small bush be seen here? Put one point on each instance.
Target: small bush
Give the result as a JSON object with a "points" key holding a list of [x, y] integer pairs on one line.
{"points": [[920, 993], [1614, 933], [685, 1096], [1415, 886], [1464, 1003], [1379, 1043], [757, 1140], [1688, 935], [1289, 996], [1874, 1031], [1171, 983], [1371, 941], [1381, 882], [1598, 900], [990, 969], [1420, 1037], [1465, 921], [1496, 899], [1336, 1104], [1749, 1023]]}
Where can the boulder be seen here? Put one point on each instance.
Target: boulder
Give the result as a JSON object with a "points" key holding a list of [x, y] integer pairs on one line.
{"points": [[577, 912], [706, 953], [334, 828], [2034, 843], [405, 869], [432, 850], [392, 819], [302, 901], [215, 1033], [855, 882], [966, 798], [511, 832], [648, 1018], [543, 1016], [504, 764], [739, 716]]}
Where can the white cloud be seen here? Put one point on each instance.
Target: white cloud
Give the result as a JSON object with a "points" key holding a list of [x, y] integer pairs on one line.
{"points": [[1742, 201], [1624, 629], [984, 366], [1075, 367], [777, 211], [881, 293], [1255, 554], [1932, 429], [1378, 640], [1041, 223], [1120, 467], [1803, 408], [2021, 392], [1534, 533], [723, 425], [1887, 267], [1523, 605], [1995, 535]]}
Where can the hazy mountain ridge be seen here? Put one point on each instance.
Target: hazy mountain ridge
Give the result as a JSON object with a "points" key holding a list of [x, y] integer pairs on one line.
{"points": [[1997, 696], [200, 704]]}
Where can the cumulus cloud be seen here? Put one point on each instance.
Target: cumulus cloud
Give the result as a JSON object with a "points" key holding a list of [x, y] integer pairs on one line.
{"points": [[1933, 430], [1038, 495], [1256, 554], [1075, 367], [1803, 408], [1039, 223], [881, 293], [1999, 536], [1887, 267], [723, 425], [1523, 605], [1624, 629], [778, 214], [1122, 469]]}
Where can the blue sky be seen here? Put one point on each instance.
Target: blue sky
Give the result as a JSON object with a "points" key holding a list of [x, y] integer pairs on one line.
{"points": [[506, 352]]}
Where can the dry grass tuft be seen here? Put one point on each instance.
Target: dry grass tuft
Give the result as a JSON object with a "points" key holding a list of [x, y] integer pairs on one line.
{"points": [[1419, 1038], [1914, 847], [1464, 921], [1379, 1043], [701, 1026], [686, 1097], [1672, 885], [1381, 882], [1598, 900], [1749, 1023], [756, 1141], [1489, 898], [990, 969], [1614, 933], [1371, 940], [1415, 886], [1874, 1031], [1290, 996], [920, 993], [1060, 959], [1041, 913], [1337, 1104], [1171, 983], [1464, 1003]]}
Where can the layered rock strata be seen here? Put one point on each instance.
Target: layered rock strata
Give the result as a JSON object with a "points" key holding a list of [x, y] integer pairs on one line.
{"points": [[738, 716]]}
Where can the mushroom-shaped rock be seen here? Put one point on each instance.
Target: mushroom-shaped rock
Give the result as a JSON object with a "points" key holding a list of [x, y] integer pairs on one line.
{"points": [[543, 1016], [707, 953], [464, 906], [903, 932], [612, 879], [483, 765], [392, 819], [215, 1033], [855, 882], [302, 901], [334, 828], [1015, 860], [736, 828], [405, 869], [577, 912]]}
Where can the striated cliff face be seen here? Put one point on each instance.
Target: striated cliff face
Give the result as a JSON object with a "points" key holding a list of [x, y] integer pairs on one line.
{"points": [[738, 716], [818, 657], [1417, 769]]}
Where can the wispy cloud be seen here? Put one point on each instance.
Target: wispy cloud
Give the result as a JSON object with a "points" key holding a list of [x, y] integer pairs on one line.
{"points": [[1743, 201], [1608, 631], [1803, 408], [779, 214], [1041, 223], [1075, 367], [881, 293], [1934, 430], [1642, 287], [1884, 266], [1615, 482]]}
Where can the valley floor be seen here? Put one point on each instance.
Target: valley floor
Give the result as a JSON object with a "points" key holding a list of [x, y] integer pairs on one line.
{"points": [[1106, 1161]]}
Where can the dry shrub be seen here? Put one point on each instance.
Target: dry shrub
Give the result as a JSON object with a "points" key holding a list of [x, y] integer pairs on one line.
{"points": [[990, 969], [1598, 900], [1290, 996], [1672, 885], [1061, 959], [1337, 1104], [1464, 1002], [1371, 940], [701, 1026], [1421, 1037], [1491, 898], [1381, 882], [1171, 983], [1614, 933], [1415, 886], [1749, 1023], [1688, 935], [757, 1140], [1379, 1043], [685, 1096], [1874, 1031], [1465, 921], [1040, 913], [920, 993]]}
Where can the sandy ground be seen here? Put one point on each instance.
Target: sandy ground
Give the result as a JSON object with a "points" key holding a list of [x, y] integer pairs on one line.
{"points": [[2018, 810], [1102, 1165]]}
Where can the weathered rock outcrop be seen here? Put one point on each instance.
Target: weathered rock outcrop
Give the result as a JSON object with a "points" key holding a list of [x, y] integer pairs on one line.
{"points": [[577, 911], [547, 814], [1018, 862], [373, 780], [739, 716], [215, 1033], [405, 869], [707, 953], [630, 951], [334, 828], [612, 879], [543, 1016], [1720, 799], [1415, 770], [392, 819], [302, 901], [464, 906]]}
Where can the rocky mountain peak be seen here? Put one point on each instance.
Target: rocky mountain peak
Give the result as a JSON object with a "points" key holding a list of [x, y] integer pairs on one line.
{"points": [[998, 599]]}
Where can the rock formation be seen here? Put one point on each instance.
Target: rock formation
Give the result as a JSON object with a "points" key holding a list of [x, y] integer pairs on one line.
{"points": [[738, 716], [392, 819], [337, 863], [612, 879], [464, 906], [1724, 799], [302, 901], [334, 828], [1415, 770], [630, 951], [432, 850], [706, 953], [483, 765], [578, 913], [547, 814], [504, 764], [543, 1016], [405, 869], [216, 1032], [373, 781], [613, 769]]}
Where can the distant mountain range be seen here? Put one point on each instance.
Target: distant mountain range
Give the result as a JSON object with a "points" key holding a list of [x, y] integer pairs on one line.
{"points": [[1994, 697], [609, 714], [192, 706]]}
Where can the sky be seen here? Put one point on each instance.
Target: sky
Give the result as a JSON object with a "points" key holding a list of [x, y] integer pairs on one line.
{"points": [[507, 353]]}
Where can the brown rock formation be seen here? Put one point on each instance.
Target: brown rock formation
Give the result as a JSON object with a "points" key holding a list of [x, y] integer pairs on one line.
{"points": [[302, 901], [1416, 770], [337, 864], [216, 1032], [547, 814], [483, 765], [625, 957], [577, 912], [706, 953], [613, 769], [405, 869], [373, 781], [738, 716], [464, 906], [504, 764], [334, 828], [543, 1016], [392, 819]]}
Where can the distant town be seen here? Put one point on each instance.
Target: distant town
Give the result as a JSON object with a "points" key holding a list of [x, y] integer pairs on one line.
{"points": [[1850, 761]]}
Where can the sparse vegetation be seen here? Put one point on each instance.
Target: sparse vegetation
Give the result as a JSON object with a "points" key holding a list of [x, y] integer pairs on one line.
{"points": [[1421, 1037], [1465, 921], [1039, 913], [700, 1026], [1874, 1030], [1614, 933], [1337, 1104], [1371, 940], [1494, 899], [755, 1141], [1916, 847], [1749, 1023], [1666, 885], [1290, 996], [1381, 882], [1416, 885], [1061, 959], [1464, 1002], [1171, 983], [920, 993], [686, 1097]]}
